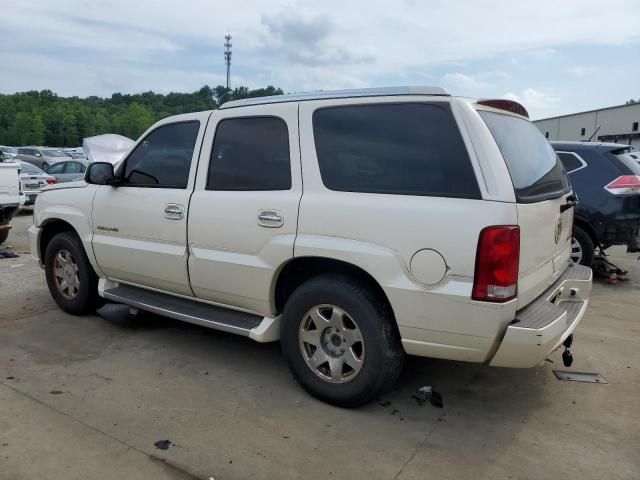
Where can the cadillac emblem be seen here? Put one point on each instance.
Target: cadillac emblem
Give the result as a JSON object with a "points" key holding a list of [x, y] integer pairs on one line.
{"points": [[558, 230]]}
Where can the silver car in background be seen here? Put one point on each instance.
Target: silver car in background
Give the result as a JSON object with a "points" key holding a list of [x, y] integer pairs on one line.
{"points": [[68, 170], [41, 157], [33, 180]]}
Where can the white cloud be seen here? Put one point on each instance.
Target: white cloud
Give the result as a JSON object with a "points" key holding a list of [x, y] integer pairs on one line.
{"points": [[464, 84], [537, 102], [581, 71]]}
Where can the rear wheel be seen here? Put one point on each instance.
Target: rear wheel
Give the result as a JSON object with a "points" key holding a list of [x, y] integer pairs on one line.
{"points": [[71, 280], [582, 248], [340, 341]]}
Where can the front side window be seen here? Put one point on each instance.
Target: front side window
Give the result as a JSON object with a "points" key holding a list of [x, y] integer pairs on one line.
{"points": [[401, 149], [536, 171], [249, 154], [163, 158]]}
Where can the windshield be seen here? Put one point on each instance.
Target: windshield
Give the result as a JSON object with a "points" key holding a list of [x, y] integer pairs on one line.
{"points": [[536, 172], [53, 153], [9, 150], [30, 169]]}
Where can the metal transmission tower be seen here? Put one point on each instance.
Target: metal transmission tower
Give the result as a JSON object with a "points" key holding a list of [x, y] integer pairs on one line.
{"points": [[227, 56]]}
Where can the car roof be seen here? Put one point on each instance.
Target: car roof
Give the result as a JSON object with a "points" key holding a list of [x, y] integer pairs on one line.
{"points": [[329, 94], [602, 146]]}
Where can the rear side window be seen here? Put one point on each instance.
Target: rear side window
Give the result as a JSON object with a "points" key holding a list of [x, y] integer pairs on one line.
{"points": [[536, 172], [74, 167], [163, 158], [56, 168], [250, 154], [570, 161], [628, 164], [402, 149]]}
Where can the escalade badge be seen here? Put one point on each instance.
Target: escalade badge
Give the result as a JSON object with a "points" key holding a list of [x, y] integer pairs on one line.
{"points": [[114, 229], [558, 230]]}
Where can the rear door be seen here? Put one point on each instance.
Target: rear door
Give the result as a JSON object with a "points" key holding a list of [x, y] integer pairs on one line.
{"points": [[243, 214], [542, 189]]}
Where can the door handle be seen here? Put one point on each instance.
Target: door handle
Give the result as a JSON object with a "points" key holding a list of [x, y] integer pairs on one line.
{"points": [[270, 218], [173, 211]]}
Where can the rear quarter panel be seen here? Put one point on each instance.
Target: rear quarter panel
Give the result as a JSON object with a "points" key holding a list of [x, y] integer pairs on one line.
{"points": [[382, 232]]}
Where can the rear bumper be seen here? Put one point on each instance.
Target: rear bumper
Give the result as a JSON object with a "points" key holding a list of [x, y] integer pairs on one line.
{"points": [[620, 232], [545, 323]]}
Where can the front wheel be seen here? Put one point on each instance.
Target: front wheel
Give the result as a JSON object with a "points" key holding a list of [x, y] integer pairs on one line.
{"points": [[582, 248], [70, 277], [4, 234], [340, 341]]}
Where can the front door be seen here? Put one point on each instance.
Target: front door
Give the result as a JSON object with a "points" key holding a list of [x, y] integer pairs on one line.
{"points": [[244, 210], [140, 226]]}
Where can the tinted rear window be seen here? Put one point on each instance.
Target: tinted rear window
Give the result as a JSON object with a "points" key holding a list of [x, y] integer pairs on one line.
{"points": [[250, 153], [402, 149], [536, 172]]}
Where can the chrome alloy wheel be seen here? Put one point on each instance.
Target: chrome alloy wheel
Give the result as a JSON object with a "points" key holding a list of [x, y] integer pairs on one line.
{"points": [[331, 343], [576, 250], [65, 274]]}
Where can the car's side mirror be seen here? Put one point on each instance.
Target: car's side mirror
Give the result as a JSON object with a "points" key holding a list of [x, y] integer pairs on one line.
{"points": [[100, 173], [38, 154]]}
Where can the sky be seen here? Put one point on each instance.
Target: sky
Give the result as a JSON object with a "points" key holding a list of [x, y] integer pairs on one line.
{"points": [[555, 57]]}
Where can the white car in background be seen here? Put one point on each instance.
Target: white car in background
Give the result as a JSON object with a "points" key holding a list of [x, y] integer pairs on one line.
{"points": [[33, 179], [428, 225], [11, 196]]}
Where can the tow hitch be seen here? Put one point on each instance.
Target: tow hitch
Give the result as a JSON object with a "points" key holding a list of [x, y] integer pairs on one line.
{"points": [[567, 358]]}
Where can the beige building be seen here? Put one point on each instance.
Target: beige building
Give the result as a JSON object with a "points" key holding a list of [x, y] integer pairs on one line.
{"points": [[614, 124]]}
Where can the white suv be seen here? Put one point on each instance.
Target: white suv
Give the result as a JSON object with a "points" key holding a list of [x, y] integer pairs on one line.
{"points": [[353, 226]]}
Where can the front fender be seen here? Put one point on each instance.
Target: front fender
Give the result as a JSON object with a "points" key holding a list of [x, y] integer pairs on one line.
{"points": [[72, 206]]}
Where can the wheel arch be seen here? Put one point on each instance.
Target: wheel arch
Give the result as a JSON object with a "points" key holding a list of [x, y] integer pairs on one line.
{"points": [[300, 269], [49, 229], [588, 228]]}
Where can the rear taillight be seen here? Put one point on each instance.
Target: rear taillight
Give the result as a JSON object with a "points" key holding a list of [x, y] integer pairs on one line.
{"points": [[497, 259], [51, 181], [624, 185]]}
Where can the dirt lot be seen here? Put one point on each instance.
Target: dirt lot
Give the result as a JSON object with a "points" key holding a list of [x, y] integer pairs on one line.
{"points": [[87, 397]]}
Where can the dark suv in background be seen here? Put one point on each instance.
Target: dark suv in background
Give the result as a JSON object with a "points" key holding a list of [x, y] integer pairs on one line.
{"points": [[607, 181]]}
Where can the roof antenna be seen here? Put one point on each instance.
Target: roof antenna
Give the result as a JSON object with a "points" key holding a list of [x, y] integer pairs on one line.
{"points": [[594, 133]]}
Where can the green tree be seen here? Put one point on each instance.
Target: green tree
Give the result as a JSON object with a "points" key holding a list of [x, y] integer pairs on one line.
{"points": [[44, 118]]}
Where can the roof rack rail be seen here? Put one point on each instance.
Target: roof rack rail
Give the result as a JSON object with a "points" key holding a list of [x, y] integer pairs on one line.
{"points": [[323, 95]]}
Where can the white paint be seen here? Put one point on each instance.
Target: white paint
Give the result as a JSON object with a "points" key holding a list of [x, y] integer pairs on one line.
{"points": [[428, 266]]}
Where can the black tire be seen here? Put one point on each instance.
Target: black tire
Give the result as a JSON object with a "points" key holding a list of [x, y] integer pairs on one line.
{"points": [[586, 244], [45, 165], [4, 234], [86, 300], [384, 355]]}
